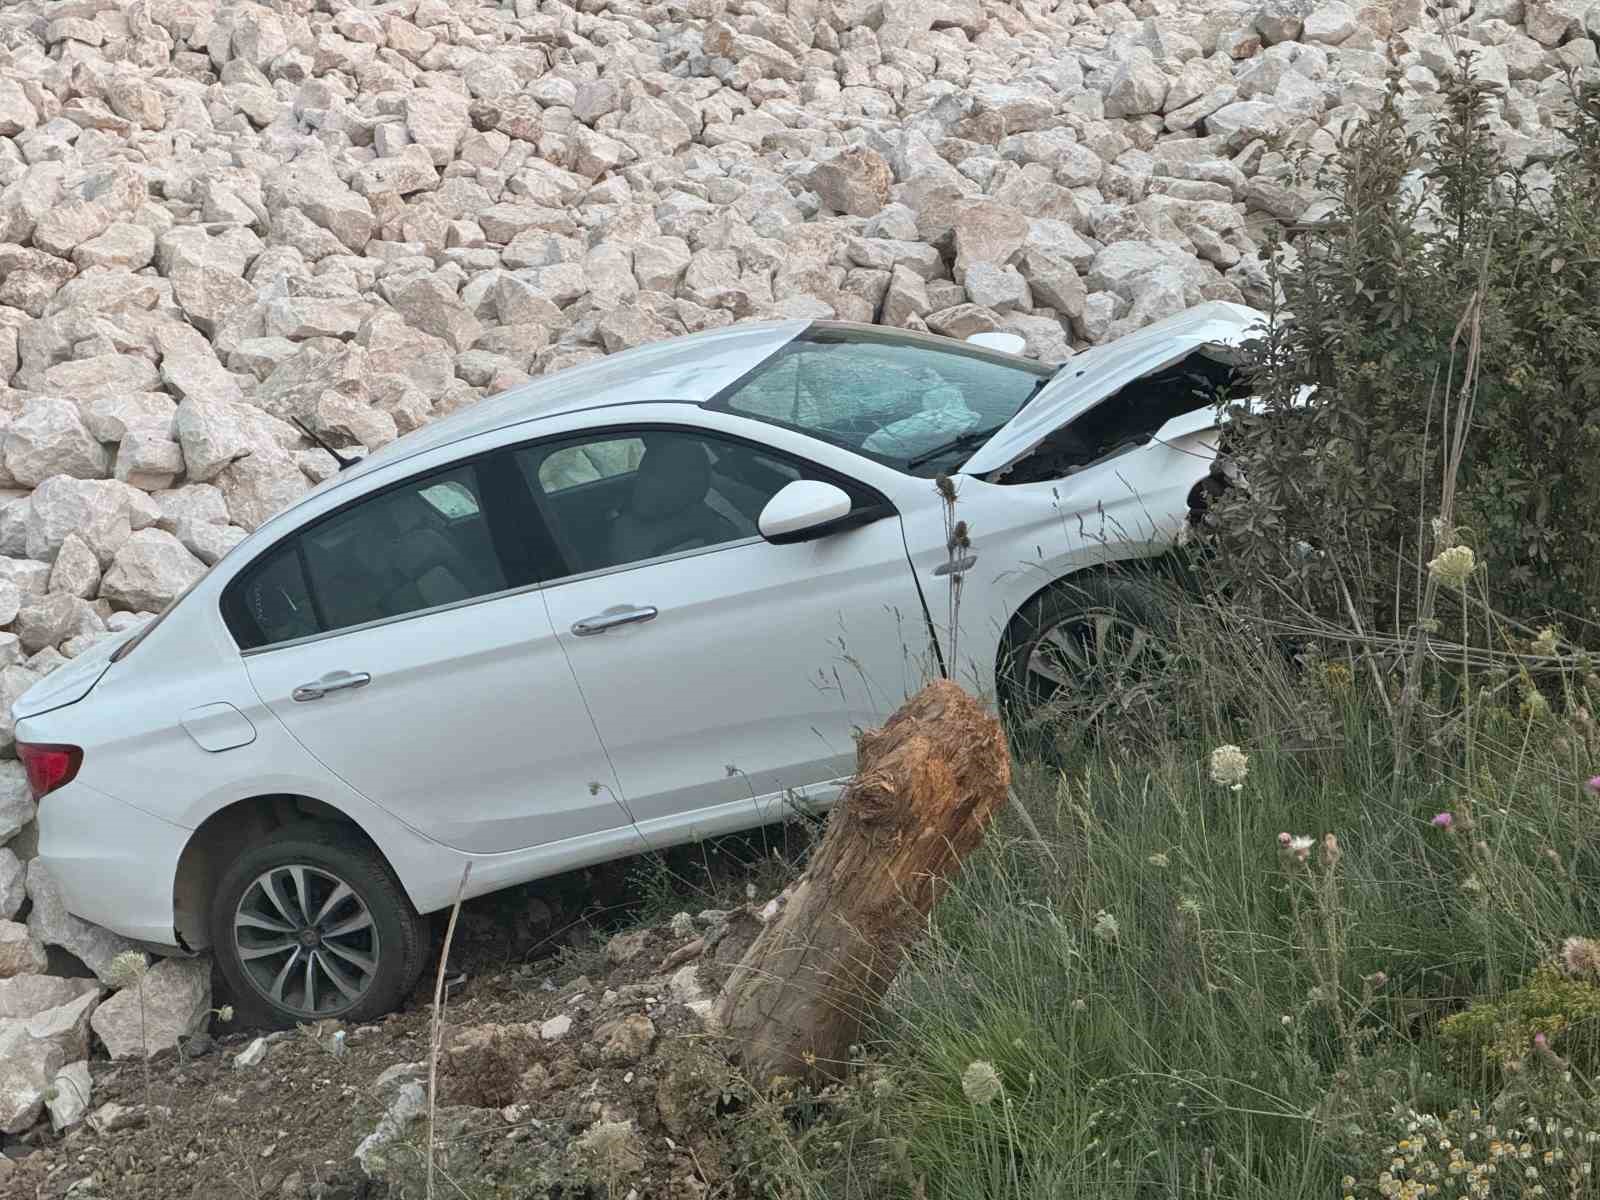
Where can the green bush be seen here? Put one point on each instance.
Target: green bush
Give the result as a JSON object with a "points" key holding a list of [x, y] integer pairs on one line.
{"points": [[1497, 1034], [1445, 293]]}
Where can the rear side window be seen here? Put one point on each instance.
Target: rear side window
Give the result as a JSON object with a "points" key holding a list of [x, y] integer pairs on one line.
{"points": [[418, 546]]}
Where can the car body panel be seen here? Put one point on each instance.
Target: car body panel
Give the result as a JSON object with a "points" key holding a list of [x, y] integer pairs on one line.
{"points": [[762, 663], [1091, 377]]}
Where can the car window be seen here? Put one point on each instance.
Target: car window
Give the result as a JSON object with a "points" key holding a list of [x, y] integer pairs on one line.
{"points": [[886, 396], [409, 548], [651, 493], [589, 462]]}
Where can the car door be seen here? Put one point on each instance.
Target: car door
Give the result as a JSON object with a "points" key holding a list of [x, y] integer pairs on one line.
{"points": [[719, 668], [403, 642]]}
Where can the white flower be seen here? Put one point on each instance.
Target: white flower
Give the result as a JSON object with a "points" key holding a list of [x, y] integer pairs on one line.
{"points": [[682, 925], [1229, 766], [980, 1083], [1454, 566], [1158, 859], [1106, 927], [127, 968], [1545, 643]]}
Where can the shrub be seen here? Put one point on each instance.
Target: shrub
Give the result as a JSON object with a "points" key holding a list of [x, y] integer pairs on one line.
{"points": [[1497, 1034], [1448, 301]]}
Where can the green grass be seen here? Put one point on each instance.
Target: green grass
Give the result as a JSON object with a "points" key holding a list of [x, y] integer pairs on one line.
{"points": [[1175, 1005]]}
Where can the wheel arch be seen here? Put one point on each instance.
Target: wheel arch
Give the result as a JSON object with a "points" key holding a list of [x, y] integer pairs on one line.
{"points": [[223, 835], [1166, 563]]}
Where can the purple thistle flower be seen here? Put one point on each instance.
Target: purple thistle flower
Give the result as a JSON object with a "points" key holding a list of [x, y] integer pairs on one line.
{"points": [[1594, 784], [1443, 821]]}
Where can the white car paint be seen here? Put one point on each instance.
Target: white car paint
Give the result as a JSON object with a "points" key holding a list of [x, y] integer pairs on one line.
{"points": [[492, 732]]}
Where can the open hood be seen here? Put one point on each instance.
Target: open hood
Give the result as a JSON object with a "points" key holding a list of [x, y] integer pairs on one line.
{"points": [[1088, 378]]}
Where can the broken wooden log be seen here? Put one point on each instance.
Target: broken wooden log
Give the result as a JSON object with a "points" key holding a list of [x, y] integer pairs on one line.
{"points": [[927, 785]]}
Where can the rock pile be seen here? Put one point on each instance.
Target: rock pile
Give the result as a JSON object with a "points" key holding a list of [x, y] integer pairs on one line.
{"points": [[219, 217]]}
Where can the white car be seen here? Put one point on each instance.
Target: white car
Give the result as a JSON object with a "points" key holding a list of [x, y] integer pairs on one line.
{"points": [[640, 602]]}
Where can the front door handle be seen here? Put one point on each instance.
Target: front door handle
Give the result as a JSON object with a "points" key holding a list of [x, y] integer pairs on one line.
{"points": [[334, 681], [965, 563], [612, 618]]}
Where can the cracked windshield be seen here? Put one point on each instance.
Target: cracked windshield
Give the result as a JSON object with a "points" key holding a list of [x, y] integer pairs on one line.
{"points": [[915, 407]]}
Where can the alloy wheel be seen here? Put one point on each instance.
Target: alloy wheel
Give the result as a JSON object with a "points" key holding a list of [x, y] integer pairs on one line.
{"points": [[306, 940], [1093, 662]]}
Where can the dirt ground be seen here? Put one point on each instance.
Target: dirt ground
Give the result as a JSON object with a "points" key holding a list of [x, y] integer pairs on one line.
{"points": [[625, 1098]]}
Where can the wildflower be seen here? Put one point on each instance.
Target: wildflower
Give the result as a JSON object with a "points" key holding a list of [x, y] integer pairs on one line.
{"points": [[980, 1083], [1594, 784], [225, 1013], [1080, 1005], [1454, 566], [1297, 848], [1540, 1042], [682, 925], [127, 968], [1545, 644], [1106, 927], [1581, 956], [1159, 859], [1443, 821], [1229, 766]]}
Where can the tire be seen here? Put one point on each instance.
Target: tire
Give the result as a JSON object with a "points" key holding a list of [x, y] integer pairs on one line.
{"points": [[366, 953], [1083, 650]]}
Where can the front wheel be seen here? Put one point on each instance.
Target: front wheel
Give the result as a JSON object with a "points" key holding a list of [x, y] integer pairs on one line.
{"points": [[1084, 651], [311, 924]]}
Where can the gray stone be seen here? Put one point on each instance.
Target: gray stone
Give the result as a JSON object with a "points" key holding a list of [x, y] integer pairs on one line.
{"points": [[50, 438], [13, 886], [67, 1098], [27, 1068], [16, 801], [150, 570], [20, 952], [854, 181], [175, 996], [77, 569], [25, 996], [98, 511], [50, 923], [1330, 23], [210, 436], [409, 1103], [315, 189], [256, 486]]}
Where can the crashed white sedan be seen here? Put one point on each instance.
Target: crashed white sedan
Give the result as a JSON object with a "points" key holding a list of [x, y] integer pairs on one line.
{"points": [[643, 601]]}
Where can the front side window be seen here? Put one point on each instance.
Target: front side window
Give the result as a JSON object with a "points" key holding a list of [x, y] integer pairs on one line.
{"points": [[893, 398], [423, 544], [624, 497]]}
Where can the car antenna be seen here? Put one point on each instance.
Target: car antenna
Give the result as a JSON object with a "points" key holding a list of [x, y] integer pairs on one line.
{"points": [[337, 457]]}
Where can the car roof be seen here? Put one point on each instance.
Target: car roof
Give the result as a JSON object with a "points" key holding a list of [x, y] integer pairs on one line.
{"points": [[691, 369]]}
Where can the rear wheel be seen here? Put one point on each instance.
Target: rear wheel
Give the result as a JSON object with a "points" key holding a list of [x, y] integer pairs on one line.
{"points": [[1084, 651], [312, 924]]}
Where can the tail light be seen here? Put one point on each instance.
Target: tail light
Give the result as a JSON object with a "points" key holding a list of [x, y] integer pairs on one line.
{"points": [[49, 767]]}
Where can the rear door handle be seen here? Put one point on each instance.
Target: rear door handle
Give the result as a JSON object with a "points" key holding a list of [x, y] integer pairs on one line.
{"points": [[612, 618], [333, 681]]}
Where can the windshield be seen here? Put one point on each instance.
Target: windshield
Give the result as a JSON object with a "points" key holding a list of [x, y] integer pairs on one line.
{"points": [[913, 403]]}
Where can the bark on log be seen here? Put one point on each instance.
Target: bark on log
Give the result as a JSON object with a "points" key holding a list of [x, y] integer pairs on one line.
{"points": [[926, 787]]}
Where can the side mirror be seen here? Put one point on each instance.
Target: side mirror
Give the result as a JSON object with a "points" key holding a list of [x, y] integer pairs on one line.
{"points": [[803, 509]]}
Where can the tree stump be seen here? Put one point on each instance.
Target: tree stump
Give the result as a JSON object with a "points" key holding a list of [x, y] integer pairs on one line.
{"points": [[926, 787]]}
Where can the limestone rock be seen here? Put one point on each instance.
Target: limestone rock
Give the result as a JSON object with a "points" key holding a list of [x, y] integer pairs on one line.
{"points": [[67, 1098], [150, 570], [854, 181], [176, 999], [50, 438], [20, 952], [24, 996], [51, 924]]}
